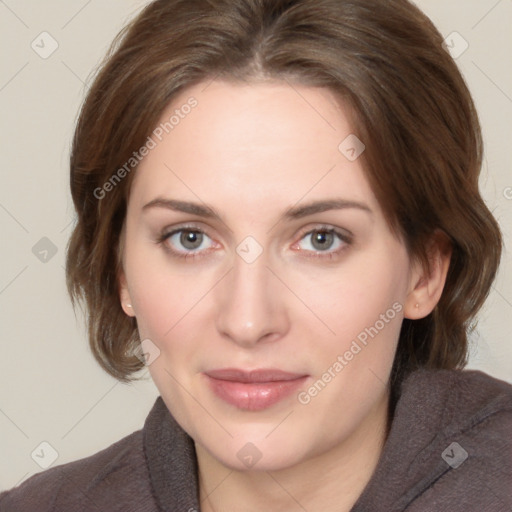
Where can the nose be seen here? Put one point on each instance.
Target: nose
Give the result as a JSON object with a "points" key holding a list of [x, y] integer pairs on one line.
{"points": [[250, 304]]}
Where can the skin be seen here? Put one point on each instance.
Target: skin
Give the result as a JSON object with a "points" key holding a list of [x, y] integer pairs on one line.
{"points": [[250, 152]]}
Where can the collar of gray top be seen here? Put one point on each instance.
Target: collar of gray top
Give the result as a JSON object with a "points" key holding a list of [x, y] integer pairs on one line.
{"points": [[172, 461]]}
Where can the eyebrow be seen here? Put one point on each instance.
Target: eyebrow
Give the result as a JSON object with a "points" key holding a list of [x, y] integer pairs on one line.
{"points": [[296, 212]]}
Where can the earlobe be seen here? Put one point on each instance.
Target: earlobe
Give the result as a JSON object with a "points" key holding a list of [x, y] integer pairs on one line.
{"points": [[428, 285], [124, 295]]}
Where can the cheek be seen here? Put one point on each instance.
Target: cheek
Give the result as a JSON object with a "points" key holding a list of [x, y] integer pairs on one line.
{"points": [[170, 309], [161, 295], [154, 302], [156, 307], [366, 292], [351, 366]]}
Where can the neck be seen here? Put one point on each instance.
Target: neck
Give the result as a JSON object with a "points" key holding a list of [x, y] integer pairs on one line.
{"points": [[330, 481]]}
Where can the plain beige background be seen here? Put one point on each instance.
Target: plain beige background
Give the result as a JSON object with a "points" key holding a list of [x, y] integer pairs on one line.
{"points": [[51, 390]]}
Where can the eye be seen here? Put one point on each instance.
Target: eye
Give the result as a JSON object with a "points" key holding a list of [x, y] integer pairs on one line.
{"points": [[186, 242], [324, 242], [192, 242]]}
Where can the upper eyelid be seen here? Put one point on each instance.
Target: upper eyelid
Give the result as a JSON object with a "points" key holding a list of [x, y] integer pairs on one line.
{"points": [[174, 230], [318, 227]]}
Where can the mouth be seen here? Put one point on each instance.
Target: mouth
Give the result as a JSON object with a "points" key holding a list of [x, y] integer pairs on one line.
{"points": [[253, 390]]}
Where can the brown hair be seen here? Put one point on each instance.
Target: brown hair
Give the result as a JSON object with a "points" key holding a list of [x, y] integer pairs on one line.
{"points": [[412, 110]]}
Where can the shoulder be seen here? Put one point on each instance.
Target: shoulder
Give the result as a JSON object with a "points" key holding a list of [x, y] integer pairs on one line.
{"points": [[465, 397], [113, 479], [461, 404], [465, 424]]}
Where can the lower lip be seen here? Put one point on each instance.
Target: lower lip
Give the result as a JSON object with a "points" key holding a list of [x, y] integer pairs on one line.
{"points": [[254, 396]]}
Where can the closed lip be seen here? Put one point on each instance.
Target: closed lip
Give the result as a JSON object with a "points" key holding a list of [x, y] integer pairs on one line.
{"points": [[253, 376]]}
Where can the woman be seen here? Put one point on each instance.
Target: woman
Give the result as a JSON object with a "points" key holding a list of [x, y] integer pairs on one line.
{"points": [[279, 215]]}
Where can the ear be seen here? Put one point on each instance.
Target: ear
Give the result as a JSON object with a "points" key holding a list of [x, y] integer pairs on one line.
{"points": [[426, 285], [124, 294]]}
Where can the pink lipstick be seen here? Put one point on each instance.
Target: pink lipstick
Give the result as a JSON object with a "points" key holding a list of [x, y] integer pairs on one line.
{"points": [[253, 390]]}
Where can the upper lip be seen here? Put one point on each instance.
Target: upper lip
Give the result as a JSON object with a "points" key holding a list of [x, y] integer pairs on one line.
{"points": [[258, 375]]}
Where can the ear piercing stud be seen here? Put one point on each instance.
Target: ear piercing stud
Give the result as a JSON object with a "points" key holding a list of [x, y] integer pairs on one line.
{"points": [[129, 305]]}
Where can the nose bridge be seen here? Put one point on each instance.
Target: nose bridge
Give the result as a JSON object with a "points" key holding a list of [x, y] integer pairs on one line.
{"points": [[249, 305]]}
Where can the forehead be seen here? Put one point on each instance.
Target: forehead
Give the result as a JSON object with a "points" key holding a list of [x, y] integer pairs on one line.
{"points": [[246, 143]]}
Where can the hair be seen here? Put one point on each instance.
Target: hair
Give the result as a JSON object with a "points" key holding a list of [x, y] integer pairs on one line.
{"points": [[411, 106]]}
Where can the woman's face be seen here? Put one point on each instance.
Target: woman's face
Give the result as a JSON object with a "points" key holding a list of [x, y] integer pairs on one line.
{"points": [[253, 242]]}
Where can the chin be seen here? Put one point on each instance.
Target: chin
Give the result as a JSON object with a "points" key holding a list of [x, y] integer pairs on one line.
{"points": [[246, 452]]}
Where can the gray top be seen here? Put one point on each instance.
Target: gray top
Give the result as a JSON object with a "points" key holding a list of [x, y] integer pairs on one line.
{"points": [[449, 449]]}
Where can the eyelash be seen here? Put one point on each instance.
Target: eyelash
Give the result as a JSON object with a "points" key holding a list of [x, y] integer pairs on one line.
{"points": [[345, 238]]}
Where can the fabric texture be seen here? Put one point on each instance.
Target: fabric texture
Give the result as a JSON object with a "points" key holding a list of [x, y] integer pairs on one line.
{"points": [[449, 449]]}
